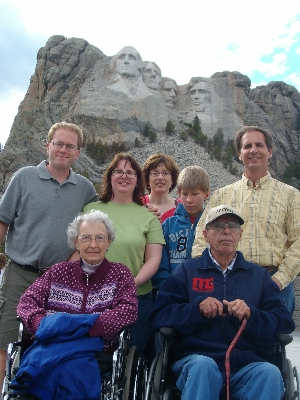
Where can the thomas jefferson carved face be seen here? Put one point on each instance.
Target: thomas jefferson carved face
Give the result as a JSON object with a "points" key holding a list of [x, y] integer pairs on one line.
{"points": [[169, 92], [200, 95], [129, 62], [151, 75]]}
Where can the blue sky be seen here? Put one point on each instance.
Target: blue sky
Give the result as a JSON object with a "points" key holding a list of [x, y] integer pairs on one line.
{"points": [[260, 39]]}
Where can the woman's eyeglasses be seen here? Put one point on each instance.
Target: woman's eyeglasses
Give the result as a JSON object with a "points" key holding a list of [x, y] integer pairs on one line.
{"points": [[155, 174], [89, 238], [118, 173]]}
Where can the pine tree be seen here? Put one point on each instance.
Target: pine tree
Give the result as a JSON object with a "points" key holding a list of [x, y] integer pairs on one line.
{"points": [[152, 137], [137, 142], [219, 138], [218, 144], [196, 125], [146, 130], [170, 128], [183, 136], [114, 149]]}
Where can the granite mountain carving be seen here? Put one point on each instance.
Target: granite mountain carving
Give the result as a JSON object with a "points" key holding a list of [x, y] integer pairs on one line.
{"points": [[113, 97]]}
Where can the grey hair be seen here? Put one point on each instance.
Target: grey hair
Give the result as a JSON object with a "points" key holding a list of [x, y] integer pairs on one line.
{"points": [[92, 217]]}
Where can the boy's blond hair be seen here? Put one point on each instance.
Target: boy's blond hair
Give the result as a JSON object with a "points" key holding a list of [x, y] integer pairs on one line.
{"points": [[193, 177]]}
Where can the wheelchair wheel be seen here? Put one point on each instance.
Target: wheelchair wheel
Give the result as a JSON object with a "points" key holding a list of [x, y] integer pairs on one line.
{"points": [[171, 394], [297, 381], [168, 394], [130, 374], [12, 362], [140, 380], [115, 385], [154, 379], [290, 390]]}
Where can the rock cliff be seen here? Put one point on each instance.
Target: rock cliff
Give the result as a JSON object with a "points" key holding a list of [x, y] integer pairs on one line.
{"points": [[112, 98]]}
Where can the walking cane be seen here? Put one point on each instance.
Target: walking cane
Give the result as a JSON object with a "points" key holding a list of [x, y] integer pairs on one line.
{"points": [[227, 356]]}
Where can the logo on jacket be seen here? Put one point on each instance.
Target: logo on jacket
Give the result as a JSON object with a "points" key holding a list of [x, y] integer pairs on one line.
{"points": [[203, 284], [181, 244]]}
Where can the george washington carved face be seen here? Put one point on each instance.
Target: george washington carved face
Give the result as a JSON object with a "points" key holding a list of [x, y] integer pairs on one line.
{"points": [[129, 62]]}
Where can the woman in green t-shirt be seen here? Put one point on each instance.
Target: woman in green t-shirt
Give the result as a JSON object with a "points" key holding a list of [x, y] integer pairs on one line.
{"points": [[139, 237]]}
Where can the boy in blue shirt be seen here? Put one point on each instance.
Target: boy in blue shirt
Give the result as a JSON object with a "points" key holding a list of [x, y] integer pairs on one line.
{"points": [[179, 230]]}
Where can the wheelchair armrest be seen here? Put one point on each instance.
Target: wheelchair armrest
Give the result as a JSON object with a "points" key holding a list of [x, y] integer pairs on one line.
{"points": [[284, 339], [167, 332]]}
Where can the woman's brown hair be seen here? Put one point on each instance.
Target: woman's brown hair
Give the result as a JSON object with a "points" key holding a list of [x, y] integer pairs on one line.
{"points": [[106, 188], [160, 158]]}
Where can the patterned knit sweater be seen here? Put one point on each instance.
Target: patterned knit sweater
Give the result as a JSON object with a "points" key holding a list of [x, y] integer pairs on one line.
{"points": [[110, 291]]}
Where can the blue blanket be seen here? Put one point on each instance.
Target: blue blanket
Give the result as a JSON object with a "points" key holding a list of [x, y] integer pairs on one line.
{"points": [[61, 363]]}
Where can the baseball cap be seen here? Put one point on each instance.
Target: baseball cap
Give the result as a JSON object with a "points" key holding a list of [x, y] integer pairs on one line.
{"points": [[223, 209]]}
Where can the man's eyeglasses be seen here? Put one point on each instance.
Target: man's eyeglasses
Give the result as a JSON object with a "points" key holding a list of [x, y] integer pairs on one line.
{"points": [[220, 226], [89, 238], [155, 174], [60, 145], [118, 173]]}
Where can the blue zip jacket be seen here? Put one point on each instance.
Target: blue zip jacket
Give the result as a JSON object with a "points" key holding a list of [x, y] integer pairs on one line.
{"points": [[179, 235], [61, 363], [177, 306]]}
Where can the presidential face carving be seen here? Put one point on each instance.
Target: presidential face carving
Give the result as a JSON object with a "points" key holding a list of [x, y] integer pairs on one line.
{"points": [[152, 75], [169, 91], [129, 62], [200, 95]]}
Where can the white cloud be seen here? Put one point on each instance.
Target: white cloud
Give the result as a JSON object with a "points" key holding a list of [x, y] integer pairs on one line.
{"points": [[185, 39], [277, 66], [293, 79], [170, 34], [255, 84]]}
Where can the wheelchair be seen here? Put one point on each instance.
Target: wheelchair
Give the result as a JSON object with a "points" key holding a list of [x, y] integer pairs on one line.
{"points": [[160, 386], [124, 379]]}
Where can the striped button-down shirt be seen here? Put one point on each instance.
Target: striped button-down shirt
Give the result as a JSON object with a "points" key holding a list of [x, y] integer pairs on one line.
{"points": [[271, 233]]}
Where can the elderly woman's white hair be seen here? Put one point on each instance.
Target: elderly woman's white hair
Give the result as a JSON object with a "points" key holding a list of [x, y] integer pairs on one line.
{"points": [[92, 217]]}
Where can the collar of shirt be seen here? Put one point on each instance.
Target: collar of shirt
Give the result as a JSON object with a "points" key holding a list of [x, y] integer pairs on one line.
{"points": [[89, 267], [229, 268], [45, 174], [259, 183]]}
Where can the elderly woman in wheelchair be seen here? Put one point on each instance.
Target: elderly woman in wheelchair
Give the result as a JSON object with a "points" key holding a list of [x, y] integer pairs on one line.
{"points": [[75, 313]]}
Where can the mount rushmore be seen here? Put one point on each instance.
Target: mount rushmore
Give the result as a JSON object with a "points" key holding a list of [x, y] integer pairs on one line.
{"points": [[112, 98]]}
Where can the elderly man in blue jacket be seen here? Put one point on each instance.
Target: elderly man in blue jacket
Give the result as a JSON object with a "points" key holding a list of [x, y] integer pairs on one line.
{"points": [[191, 301]]}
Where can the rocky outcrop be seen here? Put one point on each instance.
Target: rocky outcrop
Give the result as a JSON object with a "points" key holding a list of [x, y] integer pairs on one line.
{"points": [[281, 105], [184, 153], [113, 97]]}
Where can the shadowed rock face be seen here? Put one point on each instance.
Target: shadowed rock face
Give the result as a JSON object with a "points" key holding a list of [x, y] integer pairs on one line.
{"points": [[113, 97]]}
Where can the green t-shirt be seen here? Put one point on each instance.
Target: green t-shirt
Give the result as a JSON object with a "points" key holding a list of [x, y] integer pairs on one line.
{"points": [[135, 227]]}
